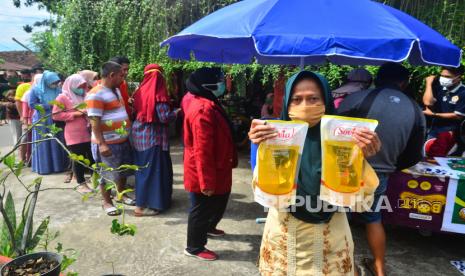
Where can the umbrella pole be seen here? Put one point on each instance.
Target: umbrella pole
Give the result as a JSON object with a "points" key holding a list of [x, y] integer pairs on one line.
{"points": [[302, 63]]}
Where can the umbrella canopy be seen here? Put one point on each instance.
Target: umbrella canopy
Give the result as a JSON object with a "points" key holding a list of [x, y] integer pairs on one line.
{"points": [[353, 32]]}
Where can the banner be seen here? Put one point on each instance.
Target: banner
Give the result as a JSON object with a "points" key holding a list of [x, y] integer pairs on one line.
{"points": [[454, 213], [417, 201]]}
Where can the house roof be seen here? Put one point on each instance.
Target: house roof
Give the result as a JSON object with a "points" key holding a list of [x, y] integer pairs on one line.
{"points": [[12, 66], [23, 59]]}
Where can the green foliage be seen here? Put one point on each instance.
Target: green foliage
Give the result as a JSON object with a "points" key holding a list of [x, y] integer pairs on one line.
{"points": [[40, 108], [79, 158], [48, 238], [95, 180], [82, 105], [120, 194], [447, 16], [6, 247], [89, 32], [122, 229], [32, 241], [69, 257], [57, 103], [122, 130], [126, 167], [53, 130]]}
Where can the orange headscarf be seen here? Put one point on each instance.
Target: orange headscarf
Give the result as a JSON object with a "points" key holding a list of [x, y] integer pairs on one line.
{"points": [[151, 91]]}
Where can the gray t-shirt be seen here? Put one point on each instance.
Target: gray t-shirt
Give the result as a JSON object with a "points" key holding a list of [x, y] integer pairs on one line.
{"points": [[396, 116]]}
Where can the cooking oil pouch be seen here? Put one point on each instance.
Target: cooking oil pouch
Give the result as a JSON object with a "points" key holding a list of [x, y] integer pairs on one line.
{"points": [[278, 164], [344, 169]]}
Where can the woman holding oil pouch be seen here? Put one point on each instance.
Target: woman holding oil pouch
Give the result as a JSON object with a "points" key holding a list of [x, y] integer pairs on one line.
{"points": [[308, 240]]}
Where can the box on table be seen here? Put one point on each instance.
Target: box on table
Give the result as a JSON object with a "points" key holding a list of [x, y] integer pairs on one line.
{"points": [[429, 196]]}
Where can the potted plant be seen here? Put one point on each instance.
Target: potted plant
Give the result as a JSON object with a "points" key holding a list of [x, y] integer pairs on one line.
{"points": [[41, 263]]}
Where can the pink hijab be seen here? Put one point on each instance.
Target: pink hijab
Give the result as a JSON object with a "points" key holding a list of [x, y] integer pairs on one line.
{"points": [[72, 82], [89, 76]]}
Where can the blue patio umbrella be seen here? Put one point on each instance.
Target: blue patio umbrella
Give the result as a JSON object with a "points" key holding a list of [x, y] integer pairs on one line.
{"points": [[353, 32]]}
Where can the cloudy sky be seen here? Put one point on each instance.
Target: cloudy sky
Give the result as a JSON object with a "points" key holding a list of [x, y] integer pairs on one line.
{"points": [[12, 21]]}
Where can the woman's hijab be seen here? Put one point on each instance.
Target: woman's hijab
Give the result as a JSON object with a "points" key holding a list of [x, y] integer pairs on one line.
{"points": [[197, 80], [310, 168], [195, 85], [44, 92], [70, 85], [151, 92], [89, 76]]}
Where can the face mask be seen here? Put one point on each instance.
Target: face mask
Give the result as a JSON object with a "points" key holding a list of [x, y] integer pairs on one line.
{"points": [[221, 88], [78, 91], [446, 82], [310, 113]]}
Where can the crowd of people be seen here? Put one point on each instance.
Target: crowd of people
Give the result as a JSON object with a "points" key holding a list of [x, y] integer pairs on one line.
{"points": [[105, 124]]}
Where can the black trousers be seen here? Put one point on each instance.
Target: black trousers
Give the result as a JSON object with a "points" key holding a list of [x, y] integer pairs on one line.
{"points": [[84, 150], [205, 214]]}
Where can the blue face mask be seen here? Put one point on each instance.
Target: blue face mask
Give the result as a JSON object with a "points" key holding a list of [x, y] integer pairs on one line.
{"points": [[220, 88], [78, 91]]}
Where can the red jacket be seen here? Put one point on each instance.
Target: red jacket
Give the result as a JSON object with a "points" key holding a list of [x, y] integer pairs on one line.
{"points": [[209, 151]]}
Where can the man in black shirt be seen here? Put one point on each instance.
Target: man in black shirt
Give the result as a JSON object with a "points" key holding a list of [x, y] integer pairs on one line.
{"points": [[444, 99]]}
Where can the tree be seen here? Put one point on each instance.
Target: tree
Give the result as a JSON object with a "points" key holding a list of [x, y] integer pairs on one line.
{"points": [[88, 32], [52, 6]]}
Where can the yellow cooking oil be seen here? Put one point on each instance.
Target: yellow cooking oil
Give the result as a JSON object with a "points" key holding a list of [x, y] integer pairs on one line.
{"points": [[343, 164], [277, 168]]}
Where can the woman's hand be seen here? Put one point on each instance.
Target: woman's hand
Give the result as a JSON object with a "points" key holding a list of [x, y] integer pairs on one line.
{"points": [[208, 192], [368, 141], [104, 150], [77, 114], [430, 79], [428, 112], [260, 131]]}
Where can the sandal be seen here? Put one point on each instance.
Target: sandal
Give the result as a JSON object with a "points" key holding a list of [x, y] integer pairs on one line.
{"points": [[147, 212], [127, 201], [112, 211], [360, 270]]}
